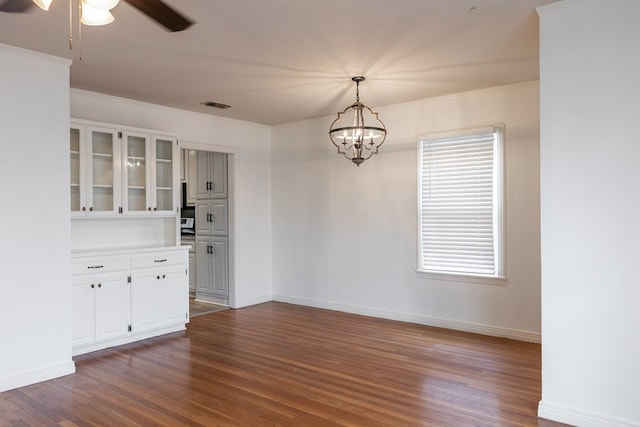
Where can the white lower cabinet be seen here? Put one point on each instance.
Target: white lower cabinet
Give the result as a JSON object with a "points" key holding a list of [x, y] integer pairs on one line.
{"points": [[159, 298], [148, 295], [100, 309]]}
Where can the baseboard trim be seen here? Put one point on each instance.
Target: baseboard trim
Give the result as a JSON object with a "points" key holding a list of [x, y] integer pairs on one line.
{"points": [[36, 376], [576, 417], [252, 301], [418, 319], [101, 345]]}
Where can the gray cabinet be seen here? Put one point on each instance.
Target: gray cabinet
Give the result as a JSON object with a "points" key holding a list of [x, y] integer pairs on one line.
{"points": [[212, 281], [212, 229], [211, 217], [211, 175]]}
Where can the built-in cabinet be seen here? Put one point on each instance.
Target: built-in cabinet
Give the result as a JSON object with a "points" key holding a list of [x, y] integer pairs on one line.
{"points": [[124, 188], [100, 307], [127, 295], [212, 263], [122, 172], [212, 228], [211, 217], [148, 166], [211, 179], [95, 155]]}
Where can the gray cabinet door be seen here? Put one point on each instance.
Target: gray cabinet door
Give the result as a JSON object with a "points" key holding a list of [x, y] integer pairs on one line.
{"points": [[211, 217], [212, 277], [220, 270], [204, 266], [211, 175], [218, 175]]}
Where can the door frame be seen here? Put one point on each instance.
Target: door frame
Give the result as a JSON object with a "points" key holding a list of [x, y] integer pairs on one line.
{"points": [[231, 153]]}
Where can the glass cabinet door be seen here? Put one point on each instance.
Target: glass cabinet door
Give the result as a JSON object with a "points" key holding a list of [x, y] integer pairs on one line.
{"points": [[76, 171], [103, 171], [164, 165], [136, 188]]}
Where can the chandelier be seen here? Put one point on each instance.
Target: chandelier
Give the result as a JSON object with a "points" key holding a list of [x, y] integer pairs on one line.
{"points": [[357, 132]]}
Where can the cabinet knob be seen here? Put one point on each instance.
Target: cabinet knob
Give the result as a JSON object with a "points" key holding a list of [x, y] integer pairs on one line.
{"points": [[84, 208], [149, 208], [91, 208], [158, 277], [163, 276], [93, 286], [155, 208], [99, 285]]}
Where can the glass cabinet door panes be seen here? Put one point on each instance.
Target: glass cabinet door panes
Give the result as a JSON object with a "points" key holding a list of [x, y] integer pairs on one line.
{"points": [[102, 164], [136, 147], [164, 174], [76, 199]]}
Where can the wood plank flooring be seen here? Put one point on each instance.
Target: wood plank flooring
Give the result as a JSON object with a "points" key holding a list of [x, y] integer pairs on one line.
{"points": [[198, 308], [277, 364]]}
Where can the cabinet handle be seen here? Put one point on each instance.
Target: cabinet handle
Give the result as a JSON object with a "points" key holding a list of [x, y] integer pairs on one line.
{"points": [[95, 267], [160, 260], [93, 286], [209, 217]]}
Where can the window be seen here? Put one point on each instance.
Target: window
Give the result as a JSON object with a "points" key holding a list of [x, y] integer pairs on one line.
{"points": [[460, 206]]}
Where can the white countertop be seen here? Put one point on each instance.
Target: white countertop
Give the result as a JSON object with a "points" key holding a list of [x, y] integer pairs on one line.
{"points": [[75, 253]]}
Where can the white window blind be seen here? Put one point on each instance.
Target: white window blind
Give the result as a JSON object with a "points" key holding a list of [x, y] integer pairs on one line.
{"points": [[460, 203]]}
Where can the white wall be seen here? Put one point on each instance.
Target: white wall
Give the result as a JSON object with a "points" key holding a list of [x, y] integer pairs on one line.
{"points": [[590, 212], [249, 144], [35, 320], [344, 237]]}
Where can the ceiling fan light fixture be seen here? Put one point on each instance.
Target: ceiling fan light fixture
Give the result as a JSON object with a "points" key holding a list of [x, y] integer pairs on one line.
{"points": [[101, 4], [43, 4], [95, 17]]}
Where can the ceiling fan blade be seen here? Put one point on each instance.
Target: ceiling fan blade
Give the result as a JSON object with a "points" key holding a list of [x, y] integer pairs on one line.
{"points": [[162, 14], [15, 6]]}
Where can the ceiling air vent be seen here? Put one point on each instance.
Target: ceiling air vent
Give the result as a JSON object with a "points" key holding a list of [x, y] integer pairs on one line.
{"points": [[216, 105]]}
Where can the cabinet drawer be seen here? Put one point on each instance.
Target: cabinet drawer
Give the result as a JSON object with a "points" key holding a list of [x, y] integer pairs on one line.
{"points": [[158, 259], [99, 265]]}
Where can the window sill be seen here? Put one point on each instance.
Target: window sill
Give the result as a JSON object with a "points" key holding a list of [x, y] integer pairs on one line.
{"points": [[484, 280]]}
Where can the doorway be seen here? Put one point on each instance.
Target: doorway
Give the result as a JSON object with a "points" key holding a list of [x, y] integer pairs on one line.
{"points": [[206, 225]]}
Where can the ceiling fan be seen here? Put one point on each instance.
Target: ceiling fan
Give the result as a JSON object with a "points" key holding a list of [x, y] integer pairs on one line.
{"points": [[98, 11]]}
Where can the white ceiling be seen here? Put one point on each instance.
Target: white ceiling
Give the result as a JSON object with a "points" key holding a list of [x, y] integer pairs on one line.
{"points": [[280, 61]]}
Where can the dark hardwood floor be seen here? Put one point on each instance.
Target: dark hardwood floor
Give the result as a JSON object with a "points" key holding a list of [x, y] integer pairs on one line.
{"points": [[277, 364]]}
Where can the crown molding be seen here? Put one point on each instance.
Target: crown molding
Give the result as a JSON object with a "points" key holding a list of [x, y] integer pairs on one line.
{"points": [[559, 5]]}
